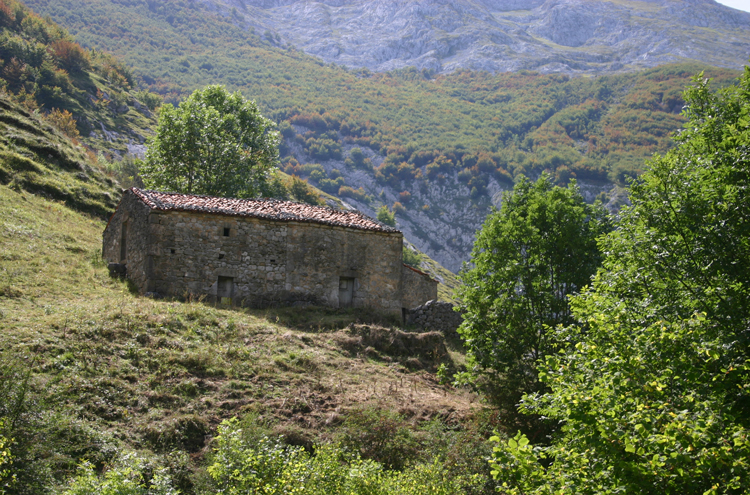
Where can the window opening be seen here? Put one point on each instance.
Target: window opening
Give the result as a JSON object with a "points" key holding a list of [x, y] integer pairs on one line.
{"points": [[171, 251], [226, 231]]}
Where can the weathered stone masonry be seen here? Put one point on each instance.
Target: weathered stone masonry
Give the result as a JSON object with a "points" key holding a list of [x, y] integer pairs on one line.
{"points": [[177, 245]]}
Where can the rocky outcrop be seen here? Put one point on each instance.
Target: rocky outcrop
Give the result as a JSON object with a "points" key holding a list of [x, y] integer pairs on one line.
{"points": [[570, 36]]}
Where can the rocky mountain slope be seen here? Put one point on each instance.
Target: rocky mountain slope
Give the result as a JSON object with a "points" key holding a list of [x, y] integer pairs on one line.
{"points": [[568, 36], [440, 148]]}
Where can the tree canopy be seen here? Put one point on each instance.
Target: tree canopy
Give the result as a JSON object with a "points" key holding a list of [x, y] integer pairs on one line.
{"points": [[214, 143], [655, 393], [534, 252]]}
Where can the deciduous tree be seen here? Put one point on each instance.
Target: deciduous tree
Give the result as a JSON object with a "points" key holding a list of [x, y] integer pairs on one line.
{"points": [[655, 394], [213, 143], [534, 252]]}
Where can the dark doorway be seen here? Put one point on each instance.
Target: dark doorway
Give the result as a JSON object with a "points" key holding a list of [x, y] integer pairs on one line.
{"points": [[225, 290], [346, 292]]}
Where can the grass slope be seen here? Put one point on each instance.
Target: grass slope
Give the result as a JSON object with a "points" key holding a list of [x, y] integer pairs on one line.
{"points": [[110, 371], [35, 156]]}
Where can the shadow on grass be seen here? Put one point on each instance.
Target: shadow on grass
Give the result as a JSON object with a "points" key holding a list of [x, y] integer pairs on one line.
{"points": [[320, 319]]}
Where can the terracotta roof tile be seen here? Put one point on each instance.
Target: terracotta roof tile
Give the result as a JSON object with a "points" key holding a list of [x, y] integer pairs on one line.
{"points": [[269, 209]]}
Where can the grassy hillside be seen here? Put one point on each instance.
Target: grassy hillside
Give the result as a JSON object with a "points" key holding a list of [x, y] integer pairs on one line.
{"points": [[110, 372], [36, 156]]}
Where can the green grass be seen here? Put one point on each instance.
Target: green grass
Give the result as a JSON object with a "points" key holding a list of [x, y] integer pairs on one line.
{"points": [[118, 372], [36, 157]]}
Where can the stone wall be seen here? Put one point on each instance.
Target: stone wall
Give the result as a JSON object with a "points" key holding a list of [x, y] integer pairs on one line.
{"points": [[417, 287], [435, 316], [176, 253], [132, 216]]}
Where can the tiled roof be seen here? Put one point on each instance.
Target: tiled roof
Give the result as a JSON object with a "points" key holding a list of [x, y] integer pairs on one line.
{"points": [[269, 209]]}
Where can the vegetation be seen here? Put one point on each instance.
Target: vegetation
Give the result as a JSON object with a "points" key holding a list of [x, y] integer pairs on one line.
{"points": [[482, 126], [412, 258], [652, 393], [215, 143], [386, 216], [529, 257], [86, 94], [138, 385]]}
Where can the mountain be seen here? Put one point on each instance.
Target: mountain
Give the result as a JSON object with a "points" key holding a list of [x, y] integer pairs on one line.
{"points": [[439, 148], [567, 36]]}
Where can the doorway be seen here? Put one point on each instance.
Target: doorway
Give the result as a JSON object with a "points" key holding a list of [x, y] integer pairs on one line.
{"points": [[225, 290], [346, 292]]}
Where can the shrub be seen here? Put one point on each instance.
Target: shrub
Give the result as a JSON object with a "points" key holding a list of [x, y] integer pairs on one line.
{"points": [[358, 194], [412, 258], [301, 191], [70, 56], [268, 466], [63, 120], [380, 435], [131, 475], [386, 216]]}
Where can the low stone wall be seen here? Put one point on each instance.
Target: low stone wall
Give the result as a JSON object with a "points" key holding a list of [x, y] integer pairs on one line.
{"points": [[435, 315]]}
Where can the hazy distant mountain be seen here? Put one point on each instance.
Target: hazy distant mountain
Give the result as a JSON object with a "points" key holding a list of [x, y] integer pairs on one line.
{"points": [[570, 36]]}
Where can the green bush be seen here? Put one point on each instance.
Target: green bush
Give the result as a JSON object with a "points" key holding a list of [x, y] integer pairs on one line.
{"points": [[386, 216], [131, 475], [270, 467]]}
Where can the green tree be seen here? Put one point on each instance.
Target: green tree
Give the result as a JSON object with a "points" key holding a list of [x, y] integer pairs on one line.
{"points": [[655, 395], [386, 216], [303, 192], [534, 252], [213, 143], [412, 258]]}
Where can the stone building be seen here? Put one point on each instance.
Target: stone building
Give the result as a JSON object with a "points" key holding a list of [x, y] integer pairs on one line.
{"points": [[261, 252]]}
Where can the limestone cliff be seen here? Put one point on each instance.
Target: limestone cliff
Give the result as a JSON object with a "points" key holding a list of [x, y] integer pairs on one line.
{"points": [[569, 36]]}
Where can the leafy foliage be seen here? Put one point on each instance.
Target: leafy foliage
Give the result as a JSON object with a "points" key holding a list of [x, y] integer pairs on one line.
{"points": [[214, 143], [654, 394], [412, 258], [386, 216], [130, 476], [527, 259], [271, 467], [6, 460]]}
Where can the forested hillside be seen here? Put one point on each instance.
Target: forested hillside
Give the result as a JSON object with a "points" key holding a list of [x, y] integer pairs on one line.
{"points": [[437, 149]]}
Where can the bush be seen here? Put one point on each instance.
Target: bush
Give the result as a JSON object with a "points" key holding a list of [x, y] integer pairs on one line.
{"points": [[412, 258], [301, 191], [358, 194], [386, 216], [270, 467], [380, 435], [131, 475]]}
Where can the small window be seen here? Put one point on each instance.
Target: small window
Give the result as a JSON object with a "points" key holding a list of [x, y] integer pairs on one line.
{"points": [[226, 231], [171, 251]]}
